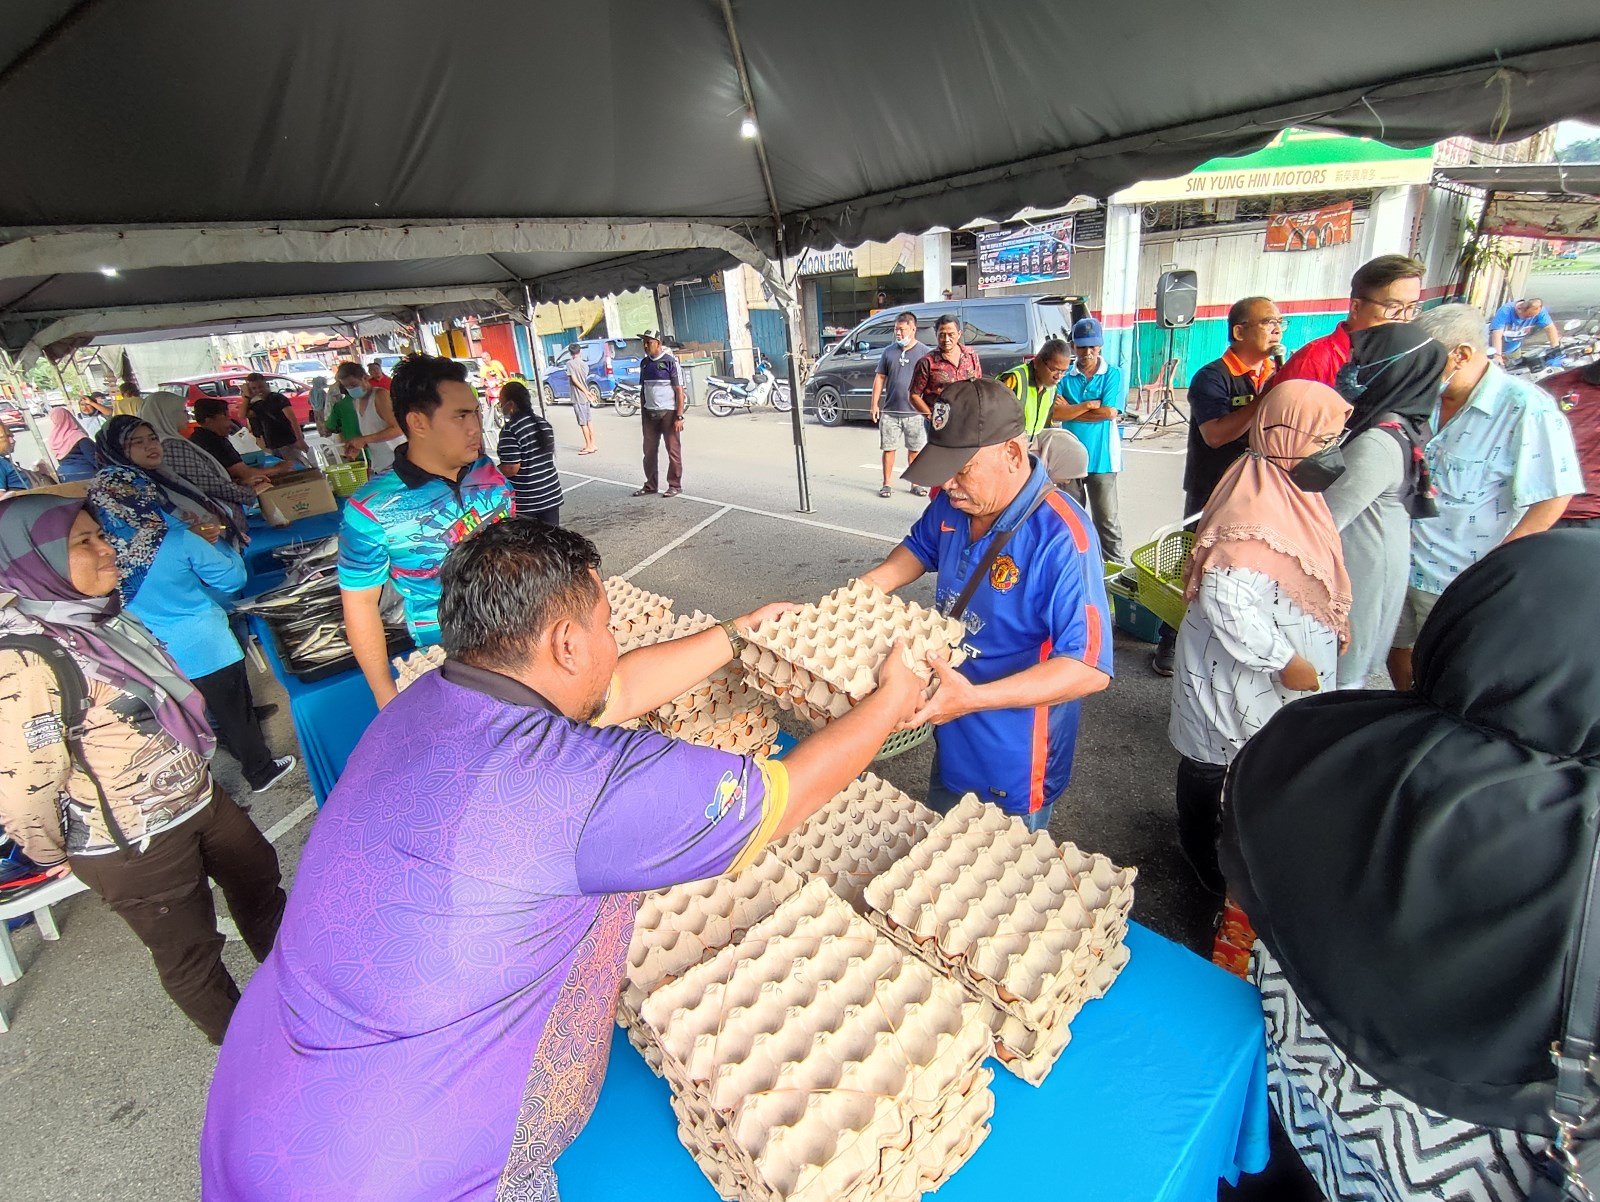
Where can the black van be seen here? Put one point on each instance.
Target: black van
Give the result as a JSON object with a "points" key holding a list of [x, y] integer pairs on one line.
{"points": [[1003, 330]]}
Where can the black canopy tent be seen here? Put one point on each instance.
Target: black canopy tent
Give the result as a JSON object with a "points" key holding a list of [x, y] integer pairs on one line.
{"points": [[221, 156]]}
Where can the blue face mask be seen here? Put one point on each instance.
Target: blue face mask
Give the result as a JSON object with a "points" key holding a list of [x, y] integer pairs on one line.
{"points": [[356, 390]]}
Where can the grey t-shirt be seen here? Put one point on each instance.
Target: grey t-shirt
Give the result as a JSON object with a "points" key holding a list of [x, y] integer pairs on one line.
{"points": [[578, 372], [895, 366]]}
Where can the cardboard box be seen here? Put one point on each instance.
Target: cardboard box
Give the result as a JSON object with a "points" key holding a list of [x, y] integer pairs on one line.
{"points": [[73, 488], [301, 494]]}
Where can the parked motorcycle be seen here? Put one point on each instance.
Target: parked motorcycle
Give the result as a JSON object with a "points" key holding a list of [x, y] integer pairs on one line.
{"points": [[626, 399], [729, 394]]}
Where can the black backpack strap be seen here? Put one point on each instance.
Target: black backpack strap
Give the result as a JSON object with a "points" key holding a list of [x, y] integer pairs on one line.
{"points": [[1575, 1053], [74, 691], [993, 553]]}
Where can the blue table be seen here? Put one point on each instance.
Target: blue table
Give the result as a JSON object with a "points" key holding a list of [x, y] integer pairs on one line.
{"points": [[1162, 1091], [329, 715], [266, 569]]}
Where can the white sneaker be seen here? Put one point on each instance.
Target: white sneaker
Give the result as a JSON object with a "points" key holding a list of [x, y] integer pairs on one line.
{"points": [[284, 764]]}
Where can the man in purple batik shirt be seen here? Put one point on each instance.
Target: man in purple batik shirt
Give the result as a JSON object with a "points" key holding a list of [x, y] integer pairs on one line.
{"points": [[434, 1019]]}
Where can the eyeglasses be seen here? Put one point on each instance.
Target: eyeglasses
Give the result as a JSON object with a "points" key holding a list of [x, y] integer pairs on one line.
{"points": [[1321, 441], [1394, 310], [1270, 323]]}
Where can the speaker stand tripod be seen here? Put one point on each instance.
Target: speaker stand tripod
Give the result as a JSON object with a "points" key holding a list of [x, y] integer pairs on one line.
{"points": [[1166, 412]]}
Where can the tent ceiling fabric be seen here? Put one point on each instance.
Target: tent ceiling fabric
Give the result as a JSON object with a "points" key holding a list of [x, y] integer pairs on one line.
{"points": [[876, 120]]}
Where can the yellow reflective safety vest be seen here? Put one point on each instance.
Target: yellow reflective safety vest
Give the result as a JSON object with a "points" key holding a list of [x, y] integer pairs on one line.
{"points": [[1035, 404]]}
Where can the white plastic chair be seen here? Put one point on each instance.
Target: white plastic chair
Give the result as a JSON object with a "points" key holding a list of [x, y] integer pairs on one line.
{"points": [[36, 902]]}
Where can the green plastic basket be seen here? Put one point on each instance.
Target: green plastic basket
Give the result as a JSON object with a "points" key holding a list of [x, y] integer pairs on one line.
{"points": [[1161, 565], [902, 741]]}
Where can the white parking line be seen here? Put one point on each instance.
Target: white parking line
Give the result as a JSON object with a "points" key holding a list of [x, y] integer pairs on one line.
{"points": [[765, 513], [579, 484], [292, 819], [674, 544]]}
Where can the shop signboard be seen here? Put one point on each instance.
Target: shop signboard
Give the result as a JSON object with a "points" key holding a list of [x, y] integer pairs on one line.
{"points": [[1296, 160], [1312, 230], [1025, 254]]}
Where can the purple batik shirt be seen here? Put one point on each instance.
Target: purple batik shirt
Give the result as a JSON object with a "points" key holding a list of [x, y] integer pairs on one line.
{"points": [[434, 1019]]}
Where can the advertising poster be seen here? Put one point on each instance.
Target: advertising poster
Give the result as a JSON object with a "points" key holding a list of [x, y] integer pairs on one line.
{"points": [[1312, 230], [1025, 254]]}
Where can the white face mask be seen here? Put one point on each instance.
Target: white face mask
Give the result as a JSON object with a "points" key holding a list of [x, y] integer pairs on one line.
{"points": [[906, 340], [1444, 384]]}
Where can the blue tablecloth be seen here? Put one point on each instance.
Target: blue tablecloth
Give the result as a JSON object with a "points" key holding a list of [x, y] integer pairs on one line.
{"points": [[1162, 1091], [329, 715], [266, 569]]}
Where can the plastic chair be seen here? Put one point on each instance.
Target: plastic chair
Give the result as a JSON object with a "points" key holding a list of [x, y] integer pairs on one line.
{"points": [[37, 902], [1162, 386]]}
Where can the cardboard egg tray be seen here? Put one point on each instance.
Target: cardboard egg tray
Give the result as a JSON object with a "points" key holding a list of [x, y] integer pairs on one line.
{"points": [[1032, 928], [858, 834], [634, 610], [813, 1060], [673, 626], [412, 668], [824, 657], [725, 712], [677, 928]]}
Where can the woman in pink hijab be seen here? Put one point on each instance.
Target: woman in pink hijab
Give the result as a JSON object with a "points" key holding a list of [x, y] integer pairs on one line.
{"points": [[1269, 602], [70, 446]]}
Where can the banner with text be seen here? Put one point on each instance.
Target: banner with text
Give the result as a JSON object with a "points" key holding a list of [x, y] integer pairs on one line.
{"points": [[1026, 254]]}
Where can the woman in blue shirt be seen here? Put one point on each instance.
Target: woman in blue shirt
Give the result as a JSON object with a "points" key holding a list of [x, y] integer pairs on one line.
{"points": [[172, 580]]}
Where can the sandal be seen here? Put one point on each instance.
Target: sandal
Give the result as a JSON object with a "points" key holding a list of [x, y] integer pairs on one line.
{"points": [[645, 492], [886, 491]]}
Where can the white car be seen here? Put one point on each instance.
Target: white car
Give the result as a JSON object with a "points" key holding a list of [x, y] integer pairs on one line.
{"points": [[305, 371]]}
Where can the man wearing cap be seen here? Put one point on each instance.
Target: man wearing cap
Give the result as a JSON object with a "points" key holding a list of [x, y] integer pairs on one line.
{"points": [[1020, 565], [581, 390], [661, 411], [1096, 392]]}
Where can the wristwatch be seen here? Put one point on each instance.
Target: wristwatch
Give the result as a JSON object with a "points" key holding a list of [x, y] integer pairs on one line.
{"points": [[735, 640]]}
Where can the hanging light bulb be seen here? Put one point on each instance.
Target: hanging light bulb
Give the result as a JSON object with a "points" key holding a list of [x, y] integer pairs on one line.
{"points": [[747, 127], [108, 272]]}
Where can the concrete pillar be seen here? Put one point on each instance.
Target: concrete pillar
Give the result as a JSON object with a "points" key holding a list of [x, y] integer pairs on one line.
{"points": [[663, 294], [1118, 301], [1388, 227], [935, 264], [613, 319], [738, 285]]}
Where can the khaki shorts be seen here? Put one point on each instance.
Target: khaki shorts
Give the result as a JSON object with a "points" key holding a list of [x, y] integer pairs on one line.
{"points": [[902, 431], [1413, 613]]}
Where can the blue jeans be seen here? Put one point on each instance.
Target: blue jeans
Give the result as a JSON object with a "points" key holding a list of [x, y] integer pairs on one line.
{"points": [[942, 800]]}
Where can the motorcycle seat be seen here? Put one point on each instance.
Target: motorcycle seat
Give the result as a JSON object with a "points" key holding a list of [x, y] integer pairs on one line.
{"points": [[731, 381]]}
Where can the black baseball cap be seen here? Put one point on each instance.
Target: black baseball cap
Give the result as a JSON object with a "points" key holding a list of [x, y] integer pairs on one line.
{"points": [[967, 417]]}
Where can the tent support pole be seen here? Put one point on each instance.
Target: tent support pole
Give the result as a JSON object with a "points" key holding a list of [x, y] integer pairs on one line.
{"points": [[792, 336], [535, 349]]}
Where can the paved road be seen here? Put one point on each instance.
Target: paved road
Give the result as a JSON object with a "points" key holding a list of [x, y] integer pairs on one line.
{"points": [[104, 1083]]}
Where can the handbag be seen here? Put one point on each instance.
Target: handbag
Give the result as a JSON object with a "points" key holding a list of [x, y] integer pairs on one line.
{"points": [[1575, 1152]]}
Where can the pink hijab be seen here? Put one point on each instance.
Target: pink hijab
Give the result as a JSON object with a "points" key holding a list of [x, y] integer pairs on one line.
{"points": [[1260, 519], [65, 432]]}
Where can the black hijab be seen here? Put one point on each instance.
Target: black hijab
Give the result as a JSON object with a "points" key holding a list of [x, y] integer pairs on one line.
{"points": [[1416, 862], [1392, 383]]}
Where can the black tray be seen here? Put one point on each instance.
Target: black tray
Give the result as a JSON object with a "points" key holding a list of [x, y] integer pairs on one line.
{"points": [[396, 644]]}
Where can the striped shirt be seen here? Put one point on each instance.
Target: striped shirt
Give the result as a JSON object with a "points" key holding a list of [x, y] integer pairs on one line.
{"points": [[529, 443]]}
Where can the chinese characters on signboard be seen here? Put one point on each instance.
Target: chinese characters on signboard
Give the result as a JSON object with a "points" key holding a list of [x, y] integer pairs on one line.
{"points": [[1025, 254], [1314, 230]]}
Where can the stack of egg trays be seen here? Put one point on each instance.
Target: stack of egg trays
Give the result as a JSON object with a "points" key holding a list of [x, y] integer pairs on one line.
{"points": [[823, 658], [635, 610], [1032, 928], [725, 711], [677, 928], [857, 835], [813, 1061], [411, 668], [673, 626]]}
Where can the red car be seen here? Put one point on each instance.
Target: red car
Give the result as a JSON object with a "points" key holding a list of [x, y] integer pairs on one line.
{"points": [[225, 386]]}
